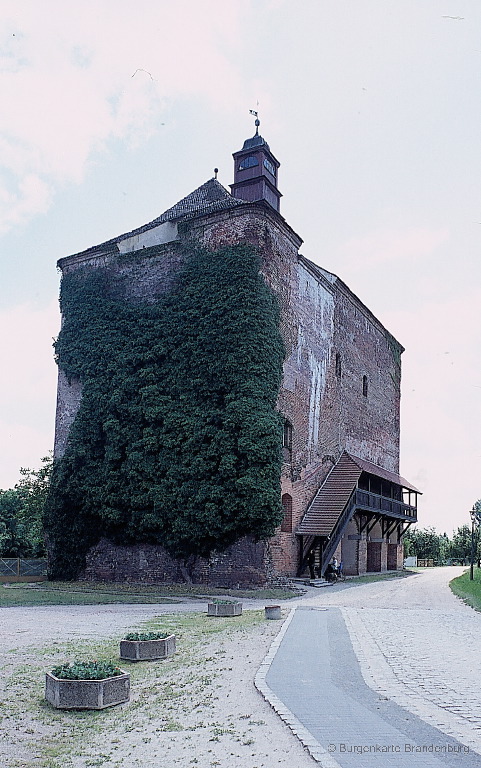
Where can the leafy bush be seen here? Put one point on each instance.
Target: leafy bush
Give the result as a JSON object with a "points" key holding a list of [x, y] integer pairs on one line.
{"points": [[218, 601], [147, 636], [87, 670], [21, 513], [177, 438]]}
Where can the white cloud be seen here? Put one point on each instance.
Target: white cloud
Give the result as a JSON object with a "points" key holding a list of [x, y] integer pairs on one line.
{"points": [[31, 196], [74, 75]]}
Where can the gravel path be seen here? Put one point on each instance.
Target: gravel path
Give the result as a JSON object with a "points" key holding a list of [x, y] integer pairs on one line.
{"points": [[22, 627]]}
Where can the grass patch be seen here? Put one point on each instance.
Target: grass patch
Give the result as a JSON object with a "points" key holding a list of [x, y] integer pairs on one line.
{"points": [[469, 591], [201, 591], [92, 593], [377, 577], [22, 595]]}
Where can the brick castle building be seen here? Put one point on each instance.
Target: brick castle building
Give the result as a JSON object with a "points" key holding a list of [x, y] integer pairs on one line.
{"points": [[341, 490]]}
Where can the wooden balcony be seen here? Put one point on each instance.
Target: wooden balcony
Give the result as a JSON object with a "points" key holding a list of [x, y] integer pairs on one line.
{"points": [[373, 502]]}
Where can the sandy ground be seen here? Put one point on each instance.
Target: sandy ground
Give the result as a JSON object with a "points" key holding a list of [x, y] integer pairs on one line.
{"points": [[201, 710]]}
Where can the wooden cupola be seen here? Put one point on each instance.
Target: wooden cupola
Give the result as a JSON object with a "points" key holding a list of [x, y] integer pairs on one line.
{"points": [[255, 172]]}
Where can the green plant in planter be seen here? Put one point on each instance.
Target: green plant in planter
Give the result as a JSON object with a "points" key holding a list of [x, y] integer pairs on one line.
{"points": [[219, 607], [147, 646], [87, 670], [218, 601], [146, 636], [87, 685]]}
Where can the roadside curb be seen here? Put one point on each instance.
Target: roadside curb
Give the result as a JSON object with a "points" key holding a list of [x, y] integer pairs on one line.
{"points": [[315, 749]]}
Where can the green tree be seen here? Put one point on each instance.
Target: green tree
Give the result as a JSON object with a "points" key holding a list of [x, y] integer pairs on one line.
{"points": [[444, 549], [21, 513], [408, 543], [10, 544], [177, 438], [426, 543], [461, 544]]}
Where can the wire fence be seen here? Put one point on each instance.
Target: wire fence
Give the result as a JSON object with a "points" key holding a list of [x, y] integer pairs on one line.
{"points": [[18, 567]]}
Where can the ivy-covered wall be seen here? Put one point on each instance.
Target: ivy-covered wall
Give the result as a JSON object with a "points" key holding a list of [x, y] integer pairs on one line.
{"points": [[177, 438]]}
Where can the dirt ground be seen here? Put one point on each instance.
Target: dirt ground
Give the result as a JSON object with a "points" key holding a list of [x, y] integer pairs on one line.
{"points": [[200, 708]]}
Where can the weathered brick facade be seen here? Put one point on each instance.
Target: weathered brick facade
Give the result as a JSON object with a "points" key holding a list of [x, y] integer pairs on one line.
{"points": [[340, 391], [243, 565]]}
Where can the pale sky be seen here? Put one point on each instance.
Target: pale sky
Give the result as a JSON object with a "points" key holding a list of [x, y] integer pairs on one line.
{"points": [[113, 110]]}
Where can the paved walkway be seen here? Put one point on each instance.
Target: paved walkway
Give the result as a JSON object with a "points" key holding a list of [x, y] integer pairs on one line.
{"points": [[381, 674]]}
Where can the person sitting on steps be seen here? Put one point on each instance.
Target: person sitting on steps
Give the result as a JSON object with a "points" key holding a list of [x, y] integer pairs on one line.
{"points": [[332, 570]]}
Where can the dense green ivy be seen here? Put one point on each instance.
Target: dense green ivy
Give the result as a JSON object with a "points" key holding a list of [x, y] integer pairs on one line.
{"points": [[177, 439]]}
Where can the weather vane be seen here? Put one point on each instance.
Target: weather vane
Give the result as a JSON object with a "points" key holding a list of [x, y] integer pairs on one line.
{"points": [[257, 121]]}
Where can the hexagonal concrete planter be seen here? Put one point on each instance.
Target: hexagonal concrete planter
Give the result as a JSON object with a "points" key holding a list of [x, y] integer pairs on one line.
{"points": [[147, 650], [87, 694], [224, 609]]}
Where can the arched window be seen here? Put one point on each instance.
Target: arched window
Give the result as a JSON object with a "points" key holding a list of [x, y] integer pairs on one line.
{"points": [[248, 162], [286, 524]]}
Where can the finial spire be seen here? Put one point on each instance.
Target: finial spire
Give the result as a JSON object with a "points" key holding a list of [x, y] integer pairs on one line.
{"points": [[257, 121]]}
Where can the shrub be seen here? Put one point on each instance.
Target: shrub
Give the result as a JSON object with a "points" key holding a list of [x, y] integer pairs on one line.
{"points": [[146, 636], [218, 601], [87, 670]]}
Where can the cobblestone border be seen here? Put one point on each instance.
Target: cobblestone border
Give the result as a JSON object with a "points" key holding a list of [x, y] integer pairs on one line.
{"points": [[315, 749], [380, 677]]}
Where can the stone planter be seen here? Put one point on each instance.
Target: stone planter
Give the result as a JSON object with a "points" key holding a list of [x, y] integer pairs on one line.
{"points": [[224, 609], [87, 694], [147, 650], [273, 612]]}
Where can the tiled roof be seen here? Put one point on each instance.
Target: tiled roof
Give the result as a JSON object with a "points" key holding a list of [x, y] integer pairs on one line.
{"points": [[208, 198], [392, 477], [256, 141]]}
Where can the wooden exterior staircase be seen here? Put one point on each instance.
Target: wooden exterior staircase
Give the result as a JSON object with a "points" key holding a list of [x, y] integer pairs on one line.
{"points": [[339, 498]]}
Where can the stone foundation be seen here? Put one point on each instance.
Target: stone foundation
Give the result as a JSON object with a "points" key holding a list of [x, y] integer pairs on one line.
{"points": [[245, 564]]}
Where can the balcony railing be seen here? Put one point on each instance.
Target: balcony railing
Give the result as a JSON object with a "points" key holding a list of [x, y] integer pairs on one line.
{"points": [[373, 502]]}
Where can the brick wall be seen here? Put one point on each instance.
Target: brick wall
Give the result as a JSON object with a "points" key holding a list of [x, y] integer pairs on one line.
{"points": [[244, 564], [369, 423], [332, 342]]}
